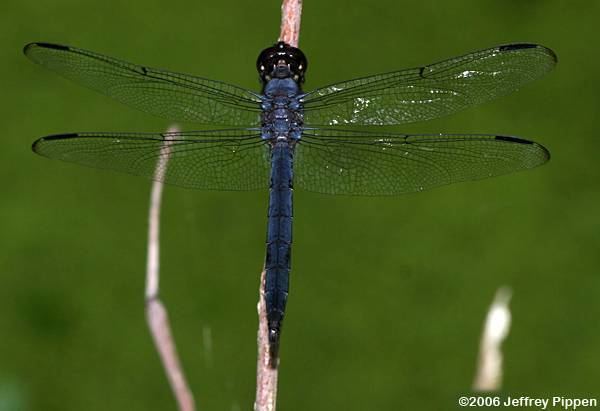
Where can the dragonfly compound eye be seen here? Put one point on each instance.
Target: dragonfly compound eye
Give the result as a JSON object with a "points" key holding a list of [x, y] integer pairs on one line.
{"points": [[281, 60]]}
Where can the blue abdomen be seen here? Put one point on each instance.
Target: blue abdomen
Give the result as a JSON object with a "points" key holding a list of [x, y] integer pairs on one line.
{"points": [[279, 238]]}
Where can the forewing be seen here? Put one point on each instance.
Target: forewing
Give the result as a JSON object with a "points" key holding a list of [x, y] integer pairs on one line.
{"points": [[428, 92], [175, 96], [333, 161], [214, 160]]}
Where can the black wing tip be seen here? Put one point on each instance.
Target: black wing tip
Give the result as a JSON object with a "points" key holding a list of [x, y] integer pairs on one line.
{"points": [[517, 140], [522, 46], [44, 45], [517, 46], [36, 144], [514, 139]]}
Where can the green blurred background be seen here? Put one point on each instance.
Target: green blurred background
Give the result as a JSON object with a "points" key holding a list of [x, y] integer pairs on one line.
{"points": [[388, 295]]}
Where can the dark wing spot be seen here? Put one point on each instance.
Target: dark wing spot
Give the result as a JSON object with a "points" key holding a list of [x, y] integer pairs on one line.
{"points": [[44, 45], [519, 46], [35, 144], [52, 46], [535, 146], [60, 136], [514, 140]]}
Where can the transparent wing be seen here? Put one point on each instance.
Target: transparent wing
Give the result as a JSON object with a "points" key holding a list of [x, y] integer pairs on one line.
{"points": [[175, 96], [334, 161], [213, 160], [430, 91]]}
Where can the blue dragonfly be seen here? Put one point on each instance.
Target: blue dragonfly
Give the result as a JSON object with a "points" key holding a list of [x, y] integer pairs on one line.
{"points": [[290, 138]]}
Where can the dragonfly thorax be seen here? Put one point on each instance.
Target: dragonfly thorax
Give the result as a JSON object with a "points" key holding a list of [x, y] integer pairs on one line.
{"points": [[281, 110]]}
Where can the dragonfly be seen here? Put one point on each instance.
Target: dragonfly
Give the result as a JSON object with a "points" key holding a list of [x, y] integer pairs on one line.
{"points": [[283, 137]]}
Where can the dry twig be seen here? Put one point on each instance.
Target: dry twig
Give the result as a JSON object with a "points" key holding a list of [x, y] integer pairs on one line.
{"points": [[291, 13], [156, 314]]}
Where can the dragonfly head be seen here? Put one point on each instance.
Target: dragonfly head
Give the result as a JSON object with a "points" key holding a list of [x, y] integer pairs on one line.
{"points": [[281, 61]]}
